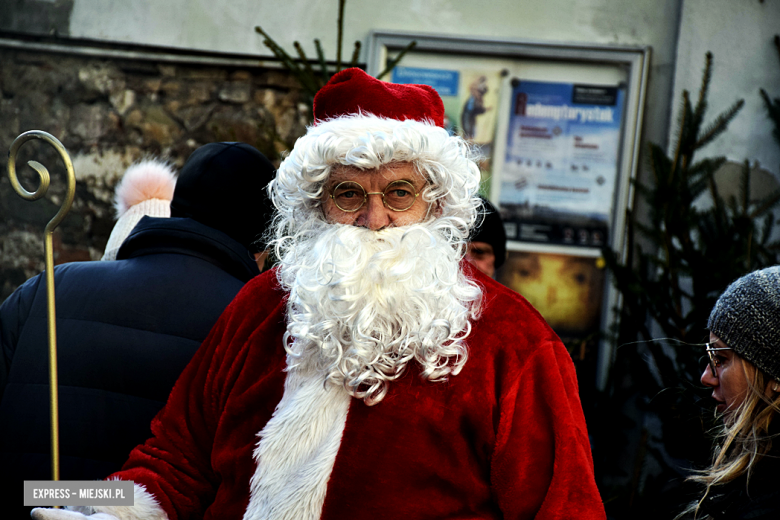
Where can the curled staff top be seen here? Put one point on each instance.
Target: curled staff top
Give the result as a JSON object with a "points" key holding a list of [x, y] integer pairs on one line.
{"points": [[43, 174], [70, 193]]}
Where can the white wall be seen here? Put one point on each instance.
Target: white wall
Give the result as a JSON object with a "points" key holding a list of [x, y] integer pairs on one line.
{"points": [[738, 32], [223, 25], [740, 36], [228, 26]]}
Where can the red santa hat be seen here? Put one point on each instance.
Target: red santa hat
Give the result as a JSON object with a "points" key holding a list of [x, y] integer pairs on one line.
{"points": [[352, 91]]}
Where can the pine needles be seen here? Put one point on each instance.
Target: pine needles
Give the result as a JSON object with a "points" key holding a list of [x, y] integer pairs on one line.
{"points": [[301, 67]]}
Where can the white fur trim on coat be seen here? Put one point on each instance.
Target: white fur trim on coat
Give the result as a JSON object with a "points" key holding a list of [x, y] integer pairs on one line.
{"points": [[145, 507], [297, 449]]}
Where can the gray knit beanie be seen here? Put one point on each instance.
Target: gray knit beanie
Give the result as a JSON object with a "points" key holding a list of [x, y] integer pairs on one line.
{"points": [[747, 318]]}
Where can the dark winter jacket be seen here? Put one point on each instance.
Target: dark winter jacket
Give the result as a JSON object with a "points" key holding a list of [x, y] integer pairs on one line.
{"points": [[125, 329], [738, 500]]}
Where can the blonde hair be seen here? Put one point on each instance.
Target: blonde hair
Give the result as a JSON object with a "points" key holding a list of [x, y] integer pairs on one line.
{"points": [[744, 438]]}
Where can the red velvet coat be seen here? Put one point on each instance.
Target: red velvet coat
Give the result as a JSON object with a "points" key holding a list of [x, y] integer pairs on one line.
{"points": [[504, 438]]}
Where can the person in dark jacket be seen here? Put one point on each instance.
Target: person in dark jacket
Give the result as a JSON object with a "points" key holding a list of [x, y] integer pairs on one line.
{"points": [[127, 328], [744, 374]]}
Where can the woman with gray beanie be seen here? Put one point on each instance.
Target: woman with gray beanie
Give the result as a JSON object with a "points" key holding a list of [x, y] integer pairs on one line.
{"points": [[744, 374]]}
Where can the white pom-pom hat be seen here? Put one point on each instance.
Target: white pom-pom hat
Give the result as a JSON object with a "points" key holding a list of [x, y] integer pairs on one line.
{"points": [[146, 189]]}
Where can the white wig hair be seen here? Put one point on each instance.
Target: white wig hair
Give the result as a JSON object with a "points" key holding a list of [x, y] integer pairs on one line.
{"points": [[447, 162]]}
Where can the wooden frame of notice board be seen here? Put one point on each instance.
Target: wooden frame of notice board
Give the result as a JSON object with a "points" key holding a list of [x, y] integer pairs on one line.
{"points": [[559, 128]]}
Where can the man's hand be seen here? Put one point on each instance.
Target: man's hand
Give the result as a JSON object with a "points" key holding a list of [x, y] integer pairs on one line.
{"points": [[40, 513]]}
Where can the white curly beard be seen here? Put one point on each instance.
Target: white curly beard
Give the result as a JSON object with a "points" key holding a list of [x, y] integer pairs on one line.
{"points": [[363, 304]]}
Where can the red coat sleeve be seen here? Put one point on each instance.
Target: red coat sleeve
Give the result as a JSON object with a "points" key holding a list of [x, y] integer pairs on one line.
{"points": [[175, 464], [542, 466]]}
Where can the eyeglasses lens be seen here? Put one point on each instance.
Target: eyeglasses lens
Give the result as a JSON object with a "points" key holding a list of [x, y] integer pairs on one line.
{"points": [[399, 195], [713, 362], [349, 196]]}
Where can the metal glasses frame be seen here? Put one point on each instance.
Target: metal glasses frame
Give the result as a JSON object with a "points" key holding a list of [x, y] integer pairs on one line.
{"points": [[382, 193], [711, 359]]}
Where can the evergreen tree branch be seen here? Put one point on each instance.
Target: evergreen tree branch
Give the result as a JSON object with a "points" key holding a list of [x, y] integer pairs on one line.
{"points": [[278, 51], [681, 135], [766, 204], [702, 169], [392, 63], [689, 132], [355, 55], [744, 186], [773, 112], [652, 233], [340, 35], [777, 44], [719, 125], [312, 84], [309, 80], [285, 58], [766, 229], [321, 59], [701, 104], [655, 158], [700, 173], [719, 212], [696, 252]]}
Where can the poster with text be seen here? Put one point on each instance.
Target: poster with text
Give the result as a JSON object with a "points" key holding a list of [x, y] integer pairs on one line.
{"points": [[560, 168]]}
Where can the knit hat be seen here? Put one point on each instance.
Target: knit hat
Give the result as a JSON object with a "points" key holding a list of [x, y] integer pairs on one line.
{"points": [[352, 91], [491, 231], [746, 317], [223, 185], [146, 189]]}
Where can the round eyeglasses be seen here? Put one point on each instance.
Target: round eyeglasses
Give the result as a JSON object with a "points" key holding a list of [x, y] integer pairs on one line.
{"points": [[350, 196], [715, 361]]}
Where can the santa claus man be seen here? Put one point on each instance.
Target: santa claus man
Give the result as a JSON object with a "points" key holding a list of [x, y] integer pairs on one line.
{"points": [[374, 373]]}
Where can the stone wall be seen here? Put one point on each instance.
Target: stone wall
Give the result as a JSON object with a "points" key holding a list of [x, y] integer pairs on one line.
{"points": [[109, 113]]}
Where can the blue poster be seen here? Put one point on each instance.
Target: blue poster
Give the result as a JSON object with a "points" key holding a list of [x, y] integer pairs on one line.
{"points": [[445, 82], [561, 163]]}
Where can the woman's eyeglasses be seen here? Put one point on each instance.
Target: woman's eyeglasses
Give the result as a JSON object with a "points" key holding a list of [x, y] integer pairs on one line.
{"points": [[350, 196], [715, 361]]}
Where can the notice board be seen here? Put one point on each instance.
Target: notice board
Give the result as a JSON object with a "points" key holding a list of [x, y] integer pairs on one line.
{"points": [[558, 126]]}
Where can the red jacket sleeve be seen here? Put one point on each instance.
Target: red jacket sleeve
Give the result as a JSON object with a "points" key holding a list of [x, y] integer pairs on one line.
{"points": [[542, 466], [175, 463]]}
